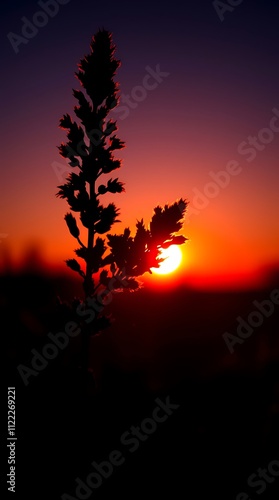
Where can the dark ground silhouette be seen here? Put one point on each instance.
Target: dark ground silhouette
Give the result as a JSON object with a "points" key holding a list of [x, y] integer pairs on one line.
{"points": [[164, 344]]}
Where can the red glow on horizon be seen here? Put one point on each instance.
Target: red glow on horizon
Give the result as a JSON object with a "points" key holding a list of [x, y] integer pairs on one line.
{"points": [[187, 274], [208, 260]]}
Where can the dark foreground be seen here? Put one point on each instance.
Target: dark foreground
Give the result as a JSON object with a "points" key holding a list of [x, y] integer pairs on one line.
{"points": [[172, 411]]}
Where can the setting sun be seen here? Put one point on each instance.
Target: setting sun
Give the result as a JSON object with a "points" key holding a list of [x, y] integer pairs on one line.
{"points": [[172, 256]]}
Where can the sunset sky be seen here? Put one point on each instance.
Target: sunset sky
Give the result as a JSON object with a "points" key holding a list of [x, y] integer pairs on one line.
{"points": [[218, 91]]}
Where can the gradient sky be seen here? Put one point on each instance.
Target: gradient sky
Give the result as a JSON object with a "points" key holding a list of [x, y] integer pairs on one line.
{"points": [[222, 87]]}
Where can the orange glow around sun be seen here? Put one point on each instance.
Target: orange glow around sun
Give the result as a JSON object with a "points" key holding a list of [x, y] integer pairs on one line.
{"points": [[173, 258]]}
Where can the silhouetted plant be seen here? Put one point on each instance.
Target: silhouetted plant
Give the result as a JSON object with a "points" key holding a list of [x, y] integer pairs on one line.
{"points": [[116, 261]]}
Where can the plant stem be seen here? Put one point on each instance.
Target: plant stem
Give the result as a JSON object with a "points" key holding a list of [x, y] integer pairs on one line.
{"points": [[90, 242], [89, 286]]}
